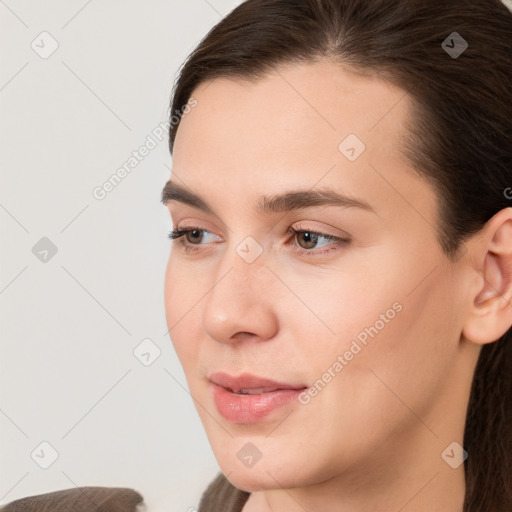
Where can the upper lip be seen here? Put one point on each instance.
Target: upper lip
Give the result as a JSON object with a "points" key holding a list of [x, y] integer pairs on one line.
{"points": [[248, 381]]}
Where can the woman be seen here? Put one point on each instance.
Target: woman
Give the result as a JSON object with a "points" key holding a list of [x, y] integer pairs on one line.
{"points": [[339, 286], [340, 290]]}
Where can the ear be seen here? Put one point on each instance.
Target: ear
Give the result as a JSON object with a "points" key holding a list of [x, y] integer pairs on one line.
{"points": [[490, 311]]}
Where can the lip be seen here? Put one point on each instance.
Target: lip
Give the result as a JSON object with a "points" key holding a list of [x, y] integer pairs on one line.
{"points": [[266, 396]]}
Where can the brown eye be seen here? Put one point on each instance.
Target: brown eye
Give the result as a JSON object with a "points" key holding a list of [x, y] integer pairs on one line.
{"points": [[194, 235], [310, 239], [190, 238]]}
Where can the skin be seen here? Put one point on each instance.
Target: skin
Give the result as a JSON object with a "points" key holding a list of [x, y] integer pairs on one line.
{"points": [[372, 439]]}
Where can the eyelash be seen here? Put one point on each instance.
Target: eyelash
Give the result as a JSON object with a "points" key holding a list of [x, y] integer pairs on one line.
{"points": [[178, 233]]}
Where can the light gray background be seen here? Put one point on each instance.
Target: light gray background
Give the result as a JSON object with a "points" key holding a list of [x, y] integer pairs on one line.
{"points": [[70, 324]]}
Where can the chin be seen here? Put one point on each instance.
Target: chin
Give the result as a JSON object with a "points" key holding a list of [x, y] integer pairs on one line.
{"points": [[262, 476], [251, 481]]}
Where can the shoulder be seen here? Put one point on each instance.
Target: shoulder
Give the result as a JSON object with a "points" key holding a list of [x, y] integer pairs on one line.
{"points": [[92, 499]]}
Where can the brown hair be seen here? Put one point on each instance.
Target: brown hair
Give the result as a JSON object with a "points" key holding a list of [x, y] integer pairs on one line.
{"points": [[460, 139]]}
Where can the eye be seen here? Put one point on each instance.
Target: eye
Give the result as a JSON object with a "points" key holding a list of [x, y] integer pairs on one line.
{"points": [[311, 238], [195, 233], [190, 237]]}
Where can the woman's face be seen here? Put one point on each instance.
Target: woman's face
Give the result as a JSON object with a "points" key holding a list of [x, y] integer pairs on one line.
{"points": [[361, 338]]}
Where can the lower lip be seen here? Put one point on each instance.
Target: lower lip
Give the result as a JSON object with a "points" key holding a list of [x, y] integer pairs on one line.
{"points": [[251, 408]]}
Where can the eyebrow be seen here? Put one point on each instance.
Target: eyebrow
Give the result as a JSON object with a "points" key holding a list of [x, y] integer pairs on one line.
{"points": [[287, 201]]}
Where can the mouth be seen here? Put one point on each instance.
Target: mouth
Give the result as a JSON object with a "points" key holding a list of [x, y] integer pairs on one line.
{"points": [[252, 384], [248, 399], [254, 391]]}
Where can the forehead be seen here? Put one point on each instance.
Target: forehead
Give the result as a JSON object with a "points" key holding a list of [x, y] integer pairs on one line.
{"points": [[308, 99], [293, 127]]}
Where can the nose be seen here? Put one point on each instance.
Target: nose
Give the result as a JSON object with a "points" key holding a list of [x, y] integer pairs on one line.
{"points": [[241, 304]]}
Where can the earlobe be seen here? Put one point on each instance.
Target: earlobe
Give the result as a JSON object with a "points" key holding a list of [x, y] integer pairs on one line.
{"points": [[491, 311]]}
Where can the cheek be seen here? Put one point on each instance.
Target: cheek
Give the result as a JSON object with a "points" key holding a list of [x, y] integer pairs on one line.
{"points": [[328, 309], [182, 297], [396, 334]]}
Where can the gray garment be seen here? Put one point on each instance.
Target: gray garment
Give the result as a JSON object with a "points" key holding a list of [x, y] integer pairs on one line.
{"points": [[80, 499]]}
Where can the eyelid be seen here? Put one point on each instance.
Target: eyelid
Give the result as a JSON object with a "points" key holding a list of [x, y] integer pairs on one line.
{"points": [[337, 241], [299, 226], [180, 231]]}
